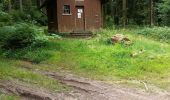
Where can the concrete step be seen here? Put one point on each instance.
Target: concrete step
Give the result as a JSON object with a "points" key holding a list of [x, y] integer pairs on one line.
{"points": [[81, 34], [77, 34]]}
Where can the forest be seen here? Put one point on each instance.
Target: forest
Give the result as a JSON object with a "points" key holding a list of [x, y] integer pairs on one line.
{"points": [[128, 58], [138, 12]]}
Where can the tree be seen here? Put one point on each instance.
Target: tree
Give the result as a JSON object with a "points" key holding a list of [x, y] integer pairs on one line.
{"points": [[9, 5], [21, 5], [124, 12], [164, 12], [151, 13]]}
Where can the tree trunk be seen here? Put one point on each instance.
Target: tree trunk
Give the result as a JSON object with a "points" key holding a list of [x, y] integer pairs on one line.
{"points": [[9, 6], [124, 13], [21, 5], [151, 13]]}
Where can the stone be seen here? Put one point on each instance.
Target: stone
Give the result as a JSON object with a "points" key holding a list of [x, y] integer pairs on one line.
{"points": [[120, 38]]}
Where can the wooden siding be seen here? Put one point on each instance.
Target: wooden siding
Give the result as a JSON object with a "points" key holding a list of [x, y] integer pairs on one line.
{"points": [[67, 23], [93, 16]]}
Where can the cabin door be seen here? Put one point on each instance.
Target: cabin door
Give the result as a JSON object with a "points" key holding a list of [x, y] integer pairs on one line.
{"points": [[80, 20]]}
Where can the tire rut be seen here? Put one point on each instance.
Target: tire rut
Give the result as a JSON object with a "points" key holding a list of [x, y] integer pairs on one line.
{"points": [[86, 89], [32, 93], [100, 89]]}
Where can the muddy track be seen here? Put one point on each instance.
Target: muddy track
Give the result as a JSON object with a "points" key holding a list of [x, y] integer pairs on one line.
{"points": [[83, 89], [26, 92], [86, 89], [97, 90]]}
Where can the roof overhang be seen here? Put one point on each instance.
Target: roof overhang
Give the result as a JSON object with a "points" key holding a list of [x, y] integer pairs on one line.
{"points": [[46, 2]]}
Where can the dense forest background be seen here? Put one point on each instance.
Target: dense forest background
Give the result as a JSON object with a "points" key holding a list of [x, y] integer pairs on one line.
{"points": [[22, 10], [116, 12], [137, 12]]}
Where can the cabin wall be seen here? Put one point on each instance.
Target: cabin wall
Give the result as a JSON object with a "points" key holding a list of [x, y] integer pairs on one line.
{"points": [[67, 23], [93, 16]]}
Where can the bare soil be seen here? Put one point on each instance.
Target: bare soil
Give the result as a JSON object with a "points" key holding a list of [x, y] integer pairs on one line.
{"points": [[82, 89], [98, 90], [26, 92]]}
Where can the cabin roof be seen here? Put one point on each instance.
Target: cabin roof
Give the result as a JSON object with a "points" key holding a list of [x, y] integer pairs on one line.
{"points": [[46, 2]]}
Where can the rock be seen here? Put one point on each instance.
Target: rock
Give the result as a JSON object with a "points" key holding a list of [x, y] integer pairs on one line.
{"points": [[134, 54], [120, 38]]}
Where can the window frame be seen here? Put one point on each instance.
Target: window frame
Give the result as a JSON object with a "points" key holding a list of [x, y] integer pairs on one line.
{"points": [[67, 11]]}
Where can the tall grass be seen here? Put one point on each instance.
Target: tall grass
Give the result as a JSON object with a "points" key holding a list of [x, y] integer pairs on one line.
{"points": [[96, 58], [159, 33]]}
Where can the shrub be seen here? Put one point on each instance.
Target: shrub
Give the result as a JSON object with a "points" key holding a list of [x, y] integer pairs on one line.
{"points": [[5, 18], [24, 41], [20, 36], [18, 16], [30, 16], [5, 32]]}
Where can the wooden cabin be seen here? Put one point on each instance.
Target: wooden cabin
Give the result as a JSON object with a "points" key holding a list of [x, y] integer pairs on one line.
{"points": [[66, 16]]}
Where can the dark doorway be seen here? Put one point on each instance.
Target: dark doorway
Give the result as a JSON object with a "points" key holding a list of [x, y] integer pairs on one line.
{"points": [[52, 15]]}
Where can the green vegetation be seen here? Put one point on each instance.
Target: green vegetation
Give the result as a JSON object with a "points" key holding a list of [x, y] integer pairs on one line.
{"points": [[137, 12], [12, 11], [98, 59], [23, 43], [95, 58], [7, 97], [159, 33], [12, 70], [5, 18], [21, 38]]}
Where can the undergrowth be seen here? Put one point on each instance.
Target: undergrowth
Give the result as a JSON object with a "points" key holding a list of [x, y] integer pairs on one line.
{"points": [[160, 33]]}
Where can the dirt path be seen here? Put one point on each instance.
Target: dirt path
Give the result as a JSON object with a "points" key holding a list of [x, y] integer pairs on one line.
{"points": [[83, 89], [27, 92], [97, 90]]}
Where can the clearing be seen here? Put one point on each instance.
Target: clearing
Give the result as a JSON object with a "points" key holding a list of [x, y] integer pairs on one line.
{"points": [[89, 69]]}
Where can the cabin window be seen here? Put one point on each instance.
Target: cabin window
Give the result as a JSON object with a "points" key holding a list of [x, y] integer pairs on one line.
{"points": [[66, 9]]}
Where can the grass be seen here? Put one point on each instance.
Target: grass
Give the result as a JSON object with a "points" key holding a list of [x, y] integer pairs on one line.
{"points": [[12, 70], [96, 58], [8, 97]]}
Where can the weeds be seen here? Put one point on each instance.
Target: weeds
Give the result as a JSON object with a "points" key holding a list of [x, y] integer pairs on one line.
{"points": [[159, 33]]}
